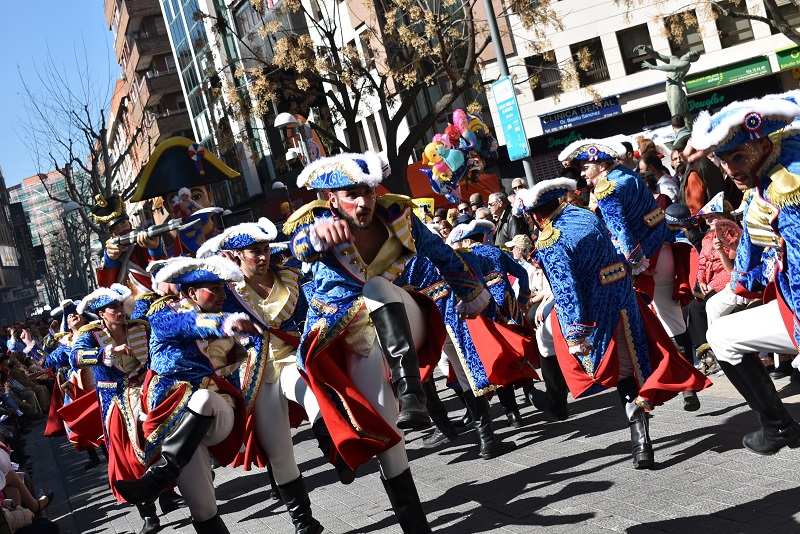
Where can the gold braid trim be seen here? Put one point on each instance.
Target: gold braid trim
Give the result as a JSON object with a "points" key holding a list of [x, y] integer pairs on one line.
{"points": [[465, 367], [304, 215], [161, 303], [604, 188], [103, 202], [91, 327], [785, 187], [389, 199], [548, 237]]}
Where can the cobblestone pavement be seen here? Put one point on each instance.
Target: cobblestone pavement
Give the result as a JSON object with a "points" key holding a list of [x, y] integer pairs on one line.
{"points": [[569, 477]]}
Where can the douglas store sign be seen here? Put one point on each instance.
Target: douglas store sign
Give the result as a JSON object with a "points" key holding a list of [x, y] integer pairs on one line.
{"points": [[571, 117]]}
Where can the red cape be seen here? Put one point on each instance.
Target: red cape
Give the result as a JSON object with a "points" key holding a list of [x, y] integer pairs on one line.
{"points": [[508, 352], [55, 425], [358, 431], [670, 374]]}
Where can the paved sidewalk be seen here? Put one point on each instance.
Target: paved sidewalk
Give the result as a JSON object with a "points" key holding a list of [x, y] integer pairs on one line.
{"points": [[569, 477]]}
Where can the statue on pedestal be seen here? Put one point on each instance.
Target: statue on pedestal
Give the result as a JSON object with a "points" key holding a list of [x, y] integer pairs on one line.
{"points": [[676, 68]]}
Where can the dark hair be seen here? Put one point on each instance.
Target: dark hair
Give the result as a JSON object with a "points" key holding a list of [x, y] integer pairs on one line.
{"points": [[570, 172], [678, 121], [651, 180], [628, 146], [440, 212], [652, 160]]}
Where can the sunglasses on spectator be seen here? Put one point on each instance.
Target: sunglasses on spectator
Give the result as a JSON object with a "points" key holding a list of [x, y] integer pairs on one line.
{"points": [[493, 204], [463, 210], [515, 187]]}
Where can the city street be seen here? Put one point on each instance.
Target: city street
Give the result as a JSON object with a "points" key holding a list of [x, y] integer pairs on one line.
{"points": [[575, 476]]}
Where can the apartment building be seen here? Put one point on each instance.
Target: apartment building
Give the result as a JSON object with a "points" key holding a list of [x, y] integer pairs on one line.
{"points": [[739, 59]]}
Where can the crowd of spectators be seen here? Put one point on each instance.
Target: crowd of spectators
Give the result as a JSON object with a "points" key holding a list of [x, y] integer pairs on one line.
{"points": [[25, 392]]}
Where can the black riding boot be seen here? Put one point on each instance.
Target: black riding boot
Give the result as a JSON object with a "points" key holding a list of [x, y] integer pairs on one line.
{"points": [[445, 430], [552, 401], [176, 451], [150, 516], [211, 526], [346, 475], [169, 501], [94, 459], [295, 497], [405, 501], [642, 447], [778, 429], [491, 446], [466, 420], [691, 403], [394, 333], [508, 400]]}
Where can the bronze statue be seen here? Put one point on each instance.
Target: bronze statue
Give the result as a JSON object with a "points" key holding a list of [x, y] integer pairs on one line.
{"points": [[676, 68]]}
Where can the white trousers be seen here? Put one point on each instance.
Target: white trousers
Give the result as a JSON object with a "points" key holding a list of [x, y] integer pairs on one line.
{"points": [[370, 373], [196, 483], [719, 305], [450, 359], [758, 329], [272, 420], [668, 311]]}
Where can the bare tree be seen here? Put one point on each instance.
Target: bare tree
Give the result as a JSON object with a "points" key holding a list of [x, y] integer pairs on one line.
{"points": [[66, 129], [406, 47]]}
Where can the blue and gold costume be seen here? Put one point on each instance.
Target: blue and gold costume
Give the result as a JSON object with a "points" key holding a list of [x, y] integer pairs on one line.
{"points": [[759, 145], [339, 273]]}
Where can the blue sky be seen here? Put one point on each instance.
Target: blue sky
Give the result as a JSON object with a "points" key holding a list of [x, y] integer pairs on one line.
{"points": [[31, 31]]}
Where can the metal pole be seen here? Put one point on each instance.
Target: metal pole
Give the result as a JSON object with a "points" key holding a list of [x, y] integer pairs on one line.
{"points": [[491, 19]]}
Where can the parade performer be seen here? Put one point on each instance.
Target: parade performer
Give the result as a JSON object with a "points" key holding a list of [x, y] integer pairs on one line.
{"points": [[639, 230], [760, 151], [362, 250], [124, 264], [178, 177], [275, 394], [510, 309], [70, 383], [600, 335], [190, 405], [117, 349]]}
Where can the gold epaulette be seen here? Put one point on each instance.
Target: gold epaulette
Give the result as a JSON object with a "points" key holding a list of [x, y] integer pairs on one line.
{"points": [[548, 237], [785, 187], [59, 335], [604, 188], [463, 249], [159, 304], [304, 215], [150, 295], [90, 327], [402, 200]]}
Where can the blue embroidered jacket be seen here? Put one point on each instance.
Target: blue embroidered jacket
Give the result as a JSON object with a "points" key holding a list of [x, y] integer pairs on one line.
{"points": [[769, 248], [592, 290], [340, 274], [495, 272], [637, 225], [114, 384]]}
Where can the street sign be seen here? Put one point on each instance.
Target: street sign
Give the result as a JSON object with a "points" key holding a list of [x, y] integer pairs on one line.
{"points": [[577, 115], [510, 120]]}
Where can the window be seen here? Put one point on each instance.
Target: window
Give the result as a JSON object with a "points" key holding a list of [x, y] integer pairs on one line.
{"points": [[789, 12], [630, 39], [684, 33], [545, 76], [590, 61], [374, 133], [362, 137], [733, 30]]}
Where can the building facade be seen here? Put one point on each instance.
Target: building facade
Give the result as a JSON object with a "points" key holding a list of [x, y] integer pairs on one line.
{"points": [[739, 59]]}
